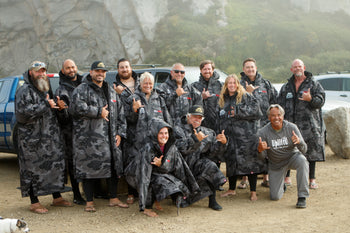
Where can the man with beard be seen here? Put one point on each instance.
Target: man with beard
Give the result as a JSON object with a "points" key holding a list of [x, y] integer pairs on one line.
{"points": [[98, 127], [40, 148], [210, 86], [69, 80], [178, 95], [302, 98], [264, 92], [125, 85]]}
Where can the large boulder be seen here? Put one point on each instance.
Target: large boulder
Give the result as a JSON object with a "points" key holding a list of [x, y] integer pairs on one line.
{"points": [[338, 131]]}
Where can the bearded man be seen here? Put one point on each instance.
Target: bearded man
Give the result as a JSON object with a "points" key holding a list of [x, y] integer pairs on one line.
{"points": [[40, 148]]}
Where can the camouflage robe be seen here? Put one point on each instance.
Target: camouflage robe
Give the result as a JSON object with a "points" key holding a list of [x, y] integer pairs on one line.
{"points": [[178, 106], [266, 94], [128, 143], [65, 91], [156, 183], [40, 148], [94, 137], [139, 121], [199, 156], [210, 105], [306, 115], [241, 156]]}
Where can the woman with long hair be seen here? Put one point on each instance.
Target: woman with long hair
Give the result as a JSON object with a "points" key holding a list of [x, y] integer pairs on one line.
{"points": [[239, 116]]}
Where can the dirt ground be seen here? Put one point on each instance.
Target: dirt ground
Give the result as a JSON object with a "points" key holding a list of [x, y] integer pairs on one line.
{"points": [[328, 208]]}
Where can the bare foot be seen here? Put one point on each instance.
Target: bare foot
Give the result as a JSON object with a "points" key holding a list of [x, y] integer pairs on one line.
{"points": [[158, 206], [253, 196], [229, 192], [150, 213], [38, 208], [116, 202]]}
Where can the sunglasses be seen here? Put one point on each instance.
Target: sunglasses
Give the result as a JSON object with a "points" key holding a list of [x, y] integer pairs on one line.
{"points": [[177, 71], [38, 64]]}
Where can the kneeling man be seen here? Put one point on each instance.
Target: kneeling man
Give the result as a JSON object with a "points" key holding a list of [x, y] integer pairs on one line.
{"points": [[281, 142]]}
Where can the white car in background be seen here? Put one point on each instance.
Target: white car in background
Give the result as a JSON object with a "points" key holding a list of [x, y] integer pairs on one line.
{"points": [[337, 89]]}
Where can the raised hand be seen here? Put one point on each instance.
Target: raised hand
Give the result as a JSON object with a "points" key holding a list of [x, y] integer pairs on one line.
{"points": [[180, 91], [136, 105], [157, 161], [200, 136], [205, 94], [105, 112], [51, 102], [262, 145], [295, 138], [306, 96], [221, 137], [61, 104], [119, 89], [250, 88]]}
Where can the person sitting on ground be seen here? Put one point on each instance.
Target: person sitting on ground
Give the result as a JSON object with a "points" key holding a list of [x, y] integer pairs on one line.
{"points": [[161, 170]]}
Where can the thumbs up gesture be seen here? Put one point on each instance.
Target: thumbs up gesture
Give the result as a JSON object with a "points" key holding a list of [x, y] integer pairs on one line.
{"points": [[221, 137]]}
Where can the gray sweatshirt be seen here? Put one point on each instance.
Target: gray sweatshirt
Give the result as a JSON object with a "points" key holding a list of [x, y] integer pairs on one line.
{"points": [[281, 145]]}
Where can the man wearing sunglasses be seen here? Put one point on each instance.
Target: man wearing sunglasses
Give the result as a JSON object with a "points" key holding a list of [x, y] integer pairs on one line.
{"points": [[40, 148], [178, 95]]}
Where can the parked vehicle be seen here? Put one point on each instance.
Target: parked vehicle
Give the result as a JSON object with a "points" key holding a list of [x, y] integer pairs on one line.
{"points": [[8, 127], [9, 86], [162, 73], [337, 89]]}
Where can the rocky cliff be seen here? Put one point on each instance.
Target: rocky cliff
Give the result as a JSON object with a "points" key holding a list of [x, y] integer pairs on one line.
{"points": [[88, 30], [85, 31]]}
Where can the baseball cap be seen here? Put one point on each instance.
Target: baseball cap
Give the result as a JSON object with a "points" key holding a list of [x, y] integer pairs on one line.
{"points": [[196, 110], [37, 65], [98, 65]]}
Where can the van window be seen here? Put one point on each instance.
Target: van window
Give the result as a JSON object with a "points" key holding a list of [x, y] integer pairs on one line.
{"points": [[331, 84]]}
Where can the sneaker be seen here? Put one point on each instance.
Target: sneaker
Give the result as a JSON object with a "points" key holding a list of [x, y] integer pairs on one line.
{"points": [[301, 202]]}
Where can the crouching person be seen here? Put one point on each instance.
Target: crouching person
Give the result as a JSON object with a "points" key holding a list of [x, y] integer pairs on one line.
{"points": [[200, 146], [281, 142], [160, 170]]}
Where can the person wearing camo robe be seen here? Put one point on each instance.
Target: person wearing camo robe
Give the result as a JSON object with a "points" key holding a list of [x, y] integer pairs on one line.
{"points": [[40, 145], [98, 127], [178, 95], [199, 146], [302, 98]]}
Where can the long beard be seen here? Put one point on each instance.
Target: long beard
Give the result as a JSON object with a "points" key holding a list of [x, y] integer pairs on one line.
{"points": [[42, 85]]}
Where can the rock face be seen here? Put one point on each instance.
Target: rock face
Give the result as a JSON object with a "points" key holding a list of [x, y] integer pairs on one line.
{"points": [[338, 131], [84, 31], [323, 5]]}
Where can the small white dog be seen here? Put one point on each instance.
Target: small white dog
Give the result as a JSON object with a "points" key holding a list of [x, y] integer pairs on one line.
{"points": [[11, 225]]}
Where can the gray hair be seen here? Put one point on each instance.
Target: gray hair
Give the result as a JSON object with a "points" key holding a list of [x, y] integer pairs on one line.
{"points": [[177, 64], [275, 106], [146, 75]]}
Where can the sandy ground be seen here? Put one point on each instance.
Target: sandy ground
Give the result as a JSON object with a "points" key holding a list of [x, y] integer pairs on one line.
{"points": [[328, 208]]}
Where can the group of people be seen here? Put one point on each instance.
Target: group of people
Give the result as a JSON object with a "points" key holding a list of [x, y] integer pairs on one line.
{"points": [[167, 141]]}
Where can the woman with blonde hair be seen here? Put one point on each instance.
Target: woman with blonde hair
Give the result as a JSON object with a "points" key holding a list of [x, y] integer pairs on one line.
{"points": [[239, 116]]}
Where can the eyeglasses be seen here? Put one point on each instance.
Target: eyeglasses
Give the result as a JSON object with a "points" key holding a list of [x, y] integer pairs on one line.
{"points": [[38, 64], [177, 71]]}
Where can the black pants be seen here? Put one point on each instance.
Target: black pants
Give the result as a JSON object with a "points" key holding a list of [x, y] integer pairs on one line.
{"points": [[253, 178], [34, 199], [89, 184]]}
